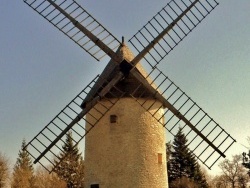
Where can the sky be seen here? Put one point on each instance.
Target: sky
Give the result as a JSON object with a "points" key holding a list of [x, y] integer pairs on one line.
{"points": [[41, 70]]}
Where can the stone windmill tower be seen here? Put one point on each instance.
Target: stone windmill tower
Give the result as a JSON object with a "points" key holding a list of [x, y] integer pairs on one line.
{"points": [[131, 141], [123, 113]]}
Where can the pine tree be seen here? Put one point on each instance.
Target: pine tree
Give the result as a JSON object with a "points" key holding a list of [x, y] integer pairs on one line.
{"points": [[199, 177], [182, 164], [23, 172], [70, 169], [179, 161]]}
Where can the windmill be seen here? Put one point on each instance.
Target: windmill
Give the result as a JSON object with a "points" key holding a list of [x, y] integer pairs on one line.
{"points": [[122, 114]]}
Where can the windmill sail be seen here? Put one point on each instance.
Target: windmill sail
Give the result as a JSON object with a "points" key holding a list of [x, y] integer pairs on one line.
{"points": [[168, 28], [207, 139], [153, 42], [47, 144], [75, 22]]}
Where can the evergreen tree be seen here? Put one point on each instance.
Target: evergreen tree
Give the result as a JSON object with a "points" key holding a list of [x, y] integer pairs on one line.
{"points": [[23, 172], [182, 164], [179, 164], [70, 169], [246, 157], [4, 170], [199, 177]]}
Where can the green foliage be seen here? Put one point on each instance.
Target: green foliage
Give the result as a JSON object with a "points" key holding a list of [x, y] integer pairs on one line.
{"points": [[182, 164], [70, 169]]}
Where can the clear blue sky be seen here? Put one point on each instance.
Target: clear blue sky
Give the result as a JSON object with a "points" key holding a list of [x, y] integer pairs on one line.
{"points": [[41, 70]]}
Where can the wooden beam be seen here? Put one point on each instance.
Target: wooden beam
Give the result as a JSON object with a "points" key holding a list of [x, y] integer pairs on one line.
{"points": [[92, 37], [161, 35]]}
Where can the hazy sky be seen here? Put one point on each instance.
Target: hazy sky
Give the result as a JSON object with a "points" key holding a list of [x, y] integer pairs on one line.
{"points": [[41, 70]]}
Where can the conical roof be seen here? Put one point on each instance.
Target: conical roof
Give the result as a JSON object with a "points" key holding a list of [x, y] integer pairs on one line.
{"points": [[127, 85]]}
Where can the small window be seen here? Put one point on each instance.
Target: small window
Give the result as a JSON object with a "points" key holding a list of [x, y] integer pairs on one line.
{"points": [[160, 158], [94, 186], [113, 118]]}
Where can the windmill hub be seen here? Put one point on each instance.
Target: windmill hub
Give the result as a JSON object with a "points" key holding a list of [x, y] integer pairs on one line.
{"points": [[129, 85], [125, 67]]}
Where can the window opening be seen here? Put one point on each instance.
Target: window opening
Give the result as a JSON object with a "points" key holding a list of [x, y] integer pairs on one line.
{"points": [[113, 118]]}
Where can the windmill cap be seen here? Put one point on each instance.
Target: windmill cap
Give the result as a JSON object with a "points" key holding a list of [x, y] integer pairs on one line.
{"points": [[127, 85]]}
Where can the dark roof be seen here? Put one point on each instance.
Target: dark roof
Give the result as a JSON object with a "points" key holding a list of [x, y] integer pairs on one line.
{"points": [[129, 85]]}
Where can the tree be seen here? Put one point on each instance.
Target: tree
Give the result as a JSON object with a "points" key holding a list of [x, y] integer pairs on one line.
{"points": [[234, 172], [243, 180], [219, 181], [246, 161], [183, 182], [199, 177], [182, 164], [23, 172], [168, 150], [246, 157], [46, 180], [178, 161], [4, 170], [208, 176], [70, 169]]}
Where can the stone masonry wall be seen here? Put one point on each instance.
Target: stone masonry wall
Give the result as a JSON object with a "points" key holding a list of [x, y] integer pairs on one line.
{"points": [[130, 153]]}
